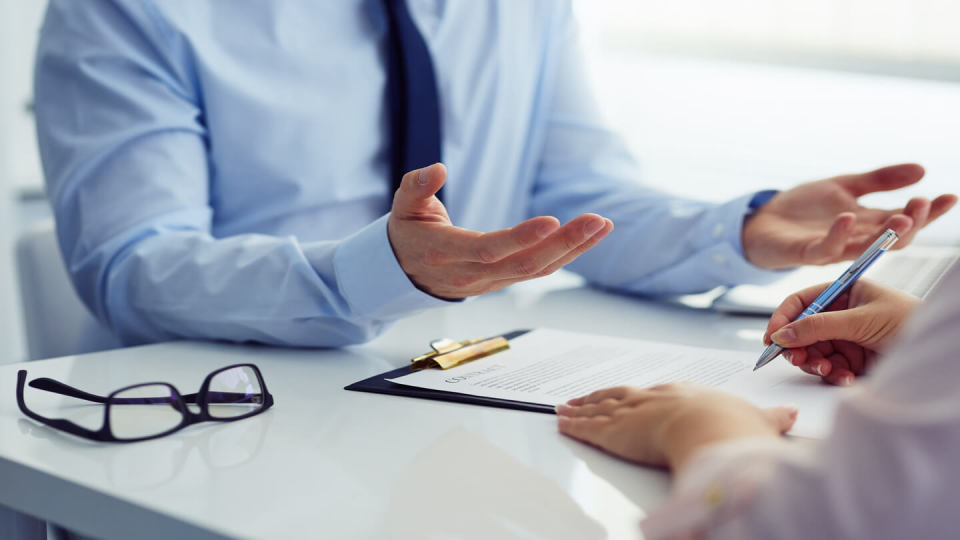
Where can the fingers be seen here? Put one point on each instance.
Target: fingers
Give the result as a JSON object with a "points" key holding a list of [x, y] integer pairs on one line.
{"points": [[579, 250], [846, 325], [885, 179], [834, 369], [565, 259], [797, 357], [914, 217], [919, 212], [472, 246], [831, 247], [901, 224], [583, 428], [941, 205], [604, 407], [838, 367], [496, 246], [566, 241], [791, 308], [840, 377], [811, 362], [821, 367], [781, 418], [619, 392], [855, 355], [586, 417], [451, 262], [492, 247], [418, 186]]}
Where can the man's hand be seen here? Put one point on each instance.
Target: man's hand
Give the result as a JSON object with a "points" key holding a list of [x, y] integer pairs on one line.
{"points": [[842, 342], [450, 262], [821, 222], [667, 424]]}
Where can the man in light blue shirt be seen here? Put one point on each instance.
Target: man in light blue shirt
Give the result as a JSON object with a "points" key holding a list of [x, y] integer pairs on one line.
{"points": [[220, 170]]}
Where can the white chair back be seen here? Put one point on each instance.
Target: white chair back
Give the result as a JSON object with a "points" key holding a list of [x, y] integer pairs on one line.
{"points": [[56, 321]]}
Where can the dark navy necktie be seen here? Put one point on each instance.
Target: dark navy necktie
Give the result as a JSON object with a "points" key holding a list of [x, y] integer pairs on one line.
{"points": [[411, 95]]}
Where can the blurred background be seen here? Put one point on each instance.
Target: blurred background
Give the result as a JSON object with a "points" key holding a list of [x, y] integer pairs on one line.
{"points": [[716, 97]]}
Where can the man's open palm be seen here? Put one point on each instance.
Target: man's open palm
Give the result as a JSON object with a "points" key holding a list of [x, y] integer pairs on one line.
{"points": [[451, 262]]}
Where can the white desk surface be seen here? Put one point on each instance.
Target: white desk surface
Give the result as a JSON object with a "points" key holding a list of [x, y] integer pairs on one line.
{"points": [[328, 463]]}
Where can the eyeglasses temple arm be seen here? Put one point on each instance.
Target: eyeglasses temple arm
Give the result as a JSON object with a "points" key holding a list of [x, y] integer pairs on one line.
{"points": [[64, 425], [57, 387], [59, 423], [222, 397]]}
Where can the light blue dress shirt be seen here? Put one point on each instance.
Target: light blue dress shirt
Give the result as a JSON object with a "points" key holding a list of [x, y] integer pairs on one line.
{"points": [[218, 169]]}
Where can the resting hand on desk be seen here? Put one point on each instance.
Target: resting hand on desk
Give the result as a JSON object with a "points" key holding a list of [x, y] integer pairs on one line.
{"points": [[821, 222], [667, 424], [450, 262], [843, 341]]}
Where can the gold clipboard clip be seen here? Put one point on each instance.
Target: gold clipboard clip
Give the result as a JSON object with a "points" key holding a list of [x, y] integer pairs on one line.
{"points": [[448, 353]]}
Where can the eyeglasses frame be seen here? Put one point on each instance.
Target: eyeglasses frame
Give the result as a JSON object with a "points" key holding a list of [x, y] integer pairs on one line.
{"points": [[105, 434]]}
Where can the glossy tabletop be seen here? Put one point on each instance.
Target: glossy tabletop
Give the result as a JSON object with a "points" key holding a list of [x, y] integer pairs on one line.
{"points": [[328, 463]]}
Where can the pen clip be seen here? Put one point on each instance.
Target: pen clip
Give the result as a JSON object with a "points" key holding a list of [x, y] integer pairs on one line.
{"points": [[448, 353]]}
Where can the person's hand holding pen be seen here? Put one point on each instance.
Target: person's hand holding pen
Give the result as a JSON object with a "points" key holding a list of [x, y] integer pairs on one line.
{"points": [[670, 423], [843, 341]]}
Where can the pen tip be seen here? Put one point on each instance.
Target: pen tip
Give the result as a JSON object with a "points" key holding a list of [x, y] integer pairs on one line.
{"points": [[756, 368]]}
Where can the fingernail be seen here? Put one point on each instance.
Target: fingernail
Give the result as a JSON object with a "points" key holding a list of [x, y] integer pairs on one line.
{"points": [[846, 380], [819, 369], [422, 176], [563, 409], [784, 335], [593, 227], [793, 410]]}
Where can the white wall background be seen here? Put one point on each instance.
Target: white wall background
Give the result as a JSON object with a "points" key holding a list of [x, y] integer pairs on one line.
{"points": [[718, 97]]}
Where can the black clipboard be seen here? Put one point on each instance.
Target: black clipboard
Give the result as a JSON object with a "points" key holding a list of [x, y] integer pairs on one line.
{"points": [[378, 384]]}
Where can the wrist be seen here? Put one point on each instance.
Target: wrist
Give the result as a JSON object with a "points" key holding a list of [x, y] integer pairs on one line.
{"points": [[759, 199], [690, 432], [748, 236]]}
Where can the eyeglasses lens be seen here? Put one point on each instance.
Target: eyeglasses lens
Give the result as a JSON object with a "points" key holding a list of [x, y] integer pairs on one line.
{"points": [[143, 411], [234, 392]]}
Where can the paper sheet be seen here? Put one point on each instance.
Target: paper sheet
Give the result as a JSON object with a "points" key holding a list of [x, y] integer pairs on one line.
{"points": [[551, 366]]}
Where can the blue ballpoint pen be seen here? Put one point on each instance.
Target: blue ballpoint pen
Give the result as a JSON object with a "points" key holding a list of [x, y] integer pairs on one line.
{"points": [[838, 287]]}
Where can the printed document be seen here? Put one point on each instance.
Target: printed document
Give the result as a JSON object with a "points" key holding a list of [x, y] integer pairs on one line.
{"points": [[549, 367]]}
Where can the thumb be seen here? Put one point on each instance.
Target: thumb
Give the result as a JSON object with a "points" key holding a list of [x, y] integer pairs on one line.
{"points": [[781, 418], [845, 325], [418, 187]]}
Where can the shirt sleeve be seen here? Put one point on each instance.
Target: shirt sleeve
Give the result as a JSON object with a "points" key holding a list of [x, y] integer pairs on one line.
{"points": [[661, 244], [125, 154], [887, 471]]}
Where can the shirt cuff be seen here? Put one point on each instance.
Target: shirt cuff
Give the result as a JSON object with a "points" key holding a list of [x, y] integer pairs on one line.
{"points": [[718, 484], [725, 236], [372, 281]]}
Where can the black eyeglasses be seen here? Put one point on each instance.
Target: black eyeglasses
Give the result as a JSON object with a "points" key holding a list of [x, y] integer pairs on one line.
{"points": [[150, 410]]}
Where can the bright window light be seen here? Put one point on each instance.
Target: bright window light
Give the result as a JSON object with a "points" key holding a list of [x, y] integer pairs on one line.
{"points": [[906, 37]]}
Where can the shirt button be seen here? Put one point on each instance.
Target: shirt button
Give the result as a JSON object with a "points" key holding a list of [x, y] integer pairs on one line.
{"points": [[718, 230], [719, 259]]}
